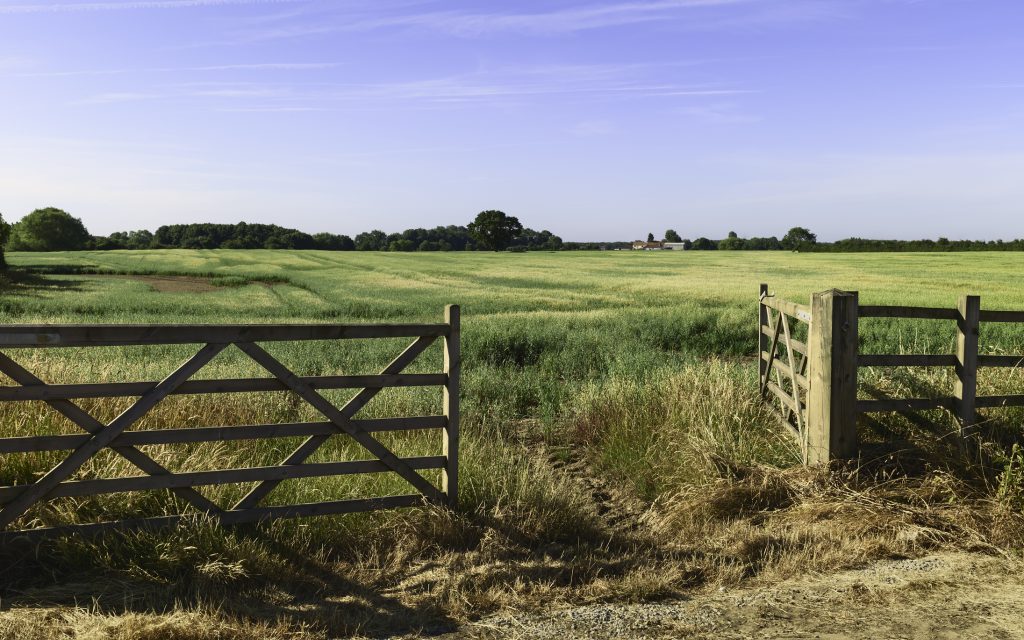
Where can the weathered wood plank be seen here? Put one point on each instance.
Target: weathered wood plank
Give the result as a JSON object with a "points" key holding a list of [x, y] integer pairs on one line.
{"points": [[13, 509], [988, 402], [450, 436], [352, 407], [792, 309], [234, 385], [80, 488], [98, 335], [784, 368], [773, 348], [906, 360], [785, 422], [91, 425], [189, 435], [796, 345], [831, 401], [793, 374], [1001, 361], [762, 337], [904, 404], [332, 413], [257, 515], [966, 387], [784, 397], [898, 311], [988, 315]]}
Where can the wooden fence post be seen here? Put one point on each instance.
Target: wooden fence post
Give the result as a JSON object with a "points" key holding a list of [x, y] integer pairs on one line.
{"points": [[762, 339], [832, 360], [966, 389], [452, 367]]}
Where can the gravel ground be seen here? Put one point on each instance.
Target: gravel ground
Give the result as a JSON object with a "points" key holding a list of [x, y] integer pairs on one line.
{"points": [[952, 595]]}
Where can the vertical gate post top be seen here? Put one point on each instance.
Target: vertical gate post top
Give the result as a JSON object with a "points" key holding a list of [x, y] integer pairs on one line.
{"points": [[832, 358], [450, 435], [965, 390], [834, 293]]}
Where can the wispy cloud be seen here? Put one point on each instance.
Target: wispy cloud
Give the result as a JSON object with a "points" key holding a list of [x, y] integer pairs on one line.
{"points": [[549, 22], [260, 66], [505, 86], [116, 97], [64, 7], [675, 14]]}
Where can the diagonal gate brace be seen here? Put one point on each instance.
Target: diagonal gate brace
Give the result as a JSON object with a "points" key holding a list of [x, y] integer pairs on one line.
{"points": [[341, 418], [86, 421], [104, 436]]}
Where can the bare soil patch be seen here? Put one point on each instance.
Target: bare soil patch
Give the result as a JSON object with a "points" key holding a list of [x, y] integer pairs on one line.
{"points": [[171, 284]]}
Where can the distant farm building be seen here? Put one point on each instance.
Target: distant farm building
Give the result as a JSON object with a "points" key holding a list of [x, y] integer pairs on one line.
{"points": [[640, 245], [658, 245]]}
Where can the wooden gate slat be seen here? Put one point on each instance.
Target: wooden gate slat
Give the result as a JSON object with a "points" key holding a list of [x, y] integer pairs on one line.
{"points": [[192, 435], [335, 415], [792, 368], [232, 385], [86, 421], [13, 509], [101, 486], [259, 514], [773, 347]]}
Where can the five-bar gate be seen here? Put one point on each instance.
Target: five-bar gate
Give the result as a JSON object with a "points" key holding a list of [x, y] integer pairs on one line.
{"points": [[118, 436]]}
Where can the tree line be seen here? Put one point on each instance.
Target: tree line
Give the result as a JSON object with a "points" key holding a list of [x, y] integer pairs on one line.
{"points": [[802, 239], [52, 229]]}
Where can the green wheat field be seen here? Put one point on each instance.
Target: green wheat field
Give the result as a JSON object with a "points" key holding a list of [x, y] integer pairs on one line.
{"points": [[634, 370]]}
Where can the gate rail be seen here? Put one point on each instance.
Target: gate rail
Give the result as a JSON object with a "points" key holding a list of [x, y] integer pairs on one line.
{"points": [[786, 357], [818, 395], [59, 481]]}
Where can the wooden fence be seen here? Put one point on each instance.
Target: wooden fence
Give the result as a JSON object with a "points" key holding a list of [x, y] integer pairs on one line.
{"points": [[816, 382], [341, 421]]}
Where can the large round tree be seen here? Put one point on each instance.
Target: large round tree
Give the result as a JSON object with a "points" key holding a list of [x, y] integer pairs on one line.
{"points": [[48, 229], [494, 230]]}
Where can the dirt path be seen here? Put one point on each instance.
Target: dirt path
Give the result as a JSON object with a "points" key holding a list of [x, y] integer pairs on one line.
{"points": [[941, 596]]}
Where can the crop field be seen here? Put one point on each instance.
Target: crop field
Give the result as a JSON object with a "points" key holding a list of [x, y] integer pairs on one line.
{"points": [[615, 447]]}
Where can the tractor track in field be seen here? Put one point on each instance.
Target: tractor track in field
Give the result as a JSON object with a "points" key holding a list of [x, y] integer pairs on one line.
{"points": [[620, 512]]}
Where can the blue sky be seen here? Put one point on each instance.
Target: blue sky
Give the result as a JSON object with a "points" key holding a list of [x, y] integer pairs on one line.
{"points": [[596, 120]]}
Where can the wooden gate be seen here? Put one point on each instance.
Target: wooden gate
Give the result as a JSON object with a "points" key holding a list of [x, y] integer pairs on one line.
{"points": [[341, 421], [784, 358]]}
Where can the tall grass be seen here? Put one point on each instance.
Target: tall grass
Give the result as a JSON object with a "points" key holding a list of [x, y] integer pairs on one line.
{"points": [[592, 382]]}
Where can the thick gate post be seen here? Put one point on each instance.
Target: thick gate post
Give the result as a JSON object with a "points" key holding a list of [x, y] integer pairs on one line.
{"points": [[966, 389], [832, 375], [452, 367]]}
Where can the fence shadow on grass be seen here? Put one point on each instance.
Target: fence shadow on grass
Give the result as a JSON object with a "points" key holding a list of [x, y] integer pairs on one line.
{"points": [[310, 593], [20, 282]]}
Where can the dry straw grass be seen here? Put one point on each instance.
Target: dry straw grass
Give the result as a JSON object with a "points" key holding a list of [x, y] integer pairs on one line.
{"points": [[615, 448]]}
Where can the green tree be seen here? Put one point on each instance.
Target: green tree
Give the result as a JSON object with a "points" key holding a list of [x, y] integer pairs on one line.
{"points": [[704, 244], [798, 239], [375, 240], [650, 237], [5, 232], [49, 229], [672, 236], [732, 243], [494, 230]]}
